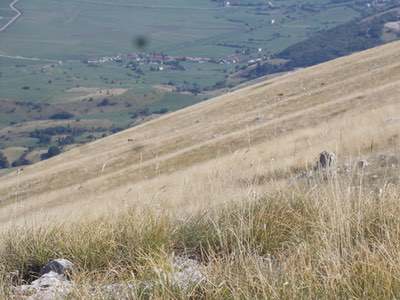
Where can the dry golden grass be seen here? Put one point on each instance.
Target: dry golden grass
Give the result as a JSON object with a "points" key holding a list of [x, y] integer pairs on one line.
{"points": [[316, 240]]}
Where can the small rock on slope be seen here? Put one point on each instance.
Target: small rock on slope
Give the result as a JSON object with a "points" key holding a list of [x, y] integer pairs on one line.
{"points": [[59, 266]]}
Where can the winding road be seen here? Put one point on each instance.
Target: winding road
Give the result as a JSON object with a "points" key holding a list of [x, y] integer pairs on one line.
{"points": [[15, 18]]}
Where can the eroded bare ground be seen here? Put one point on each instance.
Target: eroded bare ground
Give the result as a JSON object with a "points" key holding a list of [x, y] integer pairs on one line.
{"points": [[195, 157]]}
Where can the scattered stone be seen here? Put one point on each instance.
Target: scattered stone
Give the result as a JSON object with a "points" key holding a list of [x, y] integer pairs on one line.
{"points": [[326, 160], [122, 291], [326, 165], [362, 164], [186, 273], [53, 282], [59, 266], [49, 286]]}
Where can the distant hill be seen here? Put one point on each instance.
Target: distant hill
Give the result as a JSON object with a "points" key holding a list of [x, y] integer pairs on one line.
{"points": [[329, 44]]}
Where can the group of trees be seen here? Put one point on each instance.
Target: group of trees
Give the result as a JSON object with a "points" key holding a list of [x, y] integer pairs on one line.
{"points": [[62, 116], [4, 163], [66, 136], [51, 152], [105, 102], [144, 112], [21, 161], [45, 135], [342, 40]]}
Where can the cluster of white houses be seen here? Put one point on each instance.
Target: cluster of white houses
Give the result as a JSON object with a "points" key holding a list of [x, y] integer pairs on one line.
{"points": [[160, 58]]}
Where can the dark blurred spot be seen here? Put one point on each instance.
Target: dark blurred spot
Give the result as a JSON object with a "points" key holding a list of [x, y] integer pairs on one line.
{"points": [[141, 42]]}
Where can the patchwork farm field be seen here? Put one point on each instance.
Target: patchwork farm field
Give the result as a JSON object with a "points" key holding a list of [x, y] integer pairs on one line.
{"points": [[60, 30], [74, 31]]}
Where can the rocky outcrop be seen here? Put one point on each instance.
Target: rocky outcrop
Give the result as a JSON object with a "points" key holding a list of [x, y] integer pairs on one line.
{"points": [[59, 266], [186, 272], [53, 282], [48, 287]]}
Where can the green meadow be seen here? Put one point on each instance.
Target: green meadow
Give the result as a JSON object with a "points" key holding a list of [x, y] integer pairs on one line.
{"points": [[72, 31]]}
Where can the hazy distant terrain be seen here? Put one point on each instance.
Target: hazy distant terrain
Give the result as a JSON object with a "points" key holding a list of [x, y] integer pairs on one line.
{"points": [[59, 30], [88, 68]]}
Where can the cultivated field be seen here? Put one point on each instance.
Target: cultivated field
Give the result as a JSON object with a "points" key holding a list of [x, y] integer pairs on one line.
{"points": [[78, 29]]}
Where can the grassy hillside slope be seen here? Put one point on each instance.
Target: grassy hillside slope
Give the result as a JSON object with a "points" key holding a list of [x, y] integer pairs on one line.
{"points": [[198, 156]]}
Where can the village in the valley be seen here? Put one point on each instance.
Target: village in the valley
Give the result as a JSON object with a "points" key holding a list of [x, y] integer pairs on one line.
{"points": [[162, 61]]}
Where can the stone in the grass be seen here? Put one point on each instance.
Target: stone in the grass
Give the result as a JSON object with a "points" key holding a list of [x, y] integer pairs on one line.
{"points": [[60, 266], [49, 286], [327, 160]]}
